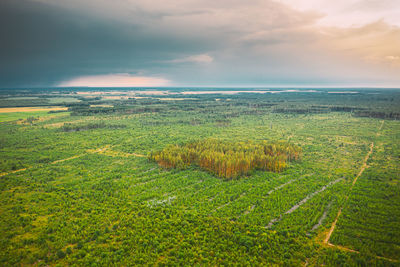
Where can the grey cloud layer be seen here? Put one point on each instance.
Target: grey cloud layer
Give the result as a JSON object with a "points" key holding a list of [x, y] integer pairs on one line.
{"points": [[247, 42], [43, 44]]}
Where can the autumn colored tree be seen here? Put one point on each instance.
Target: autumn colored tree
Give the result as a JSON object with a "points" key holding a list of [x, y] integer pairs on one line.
{"points": [[228, 159]]}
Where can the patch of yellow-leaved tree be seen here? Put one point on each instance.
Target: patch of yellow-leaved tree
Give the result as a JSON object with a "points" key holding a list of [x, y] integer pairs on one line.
{"points": [[228, 159]]}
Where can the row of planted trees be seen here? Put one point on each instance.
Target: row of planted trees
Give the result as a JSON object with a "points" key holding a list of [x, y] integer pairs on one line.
{"points": [[228, 159]]}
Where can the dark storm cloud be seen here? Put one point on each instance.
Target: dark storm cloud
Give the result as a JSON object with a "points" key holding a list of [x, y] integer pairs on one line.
{"points": [[191, 42], [43, 45]]}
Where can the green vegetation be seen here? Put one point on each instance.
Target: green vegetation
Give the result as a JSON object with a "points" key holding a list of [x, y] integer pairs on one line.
{"points": [[70, 127], [62, 100], [370, 220], [14, 116], [77, 188], [228, 159]]}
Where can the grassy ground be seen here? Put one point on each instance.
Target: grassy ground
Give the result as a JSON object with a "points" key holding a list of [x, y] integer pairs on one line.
{"points": [[14, 116]]}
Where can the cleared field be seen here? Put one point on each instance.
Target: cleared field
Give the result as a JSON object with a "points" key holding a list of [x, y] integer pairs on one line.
{"points": [[14, 116], [30, 109]]}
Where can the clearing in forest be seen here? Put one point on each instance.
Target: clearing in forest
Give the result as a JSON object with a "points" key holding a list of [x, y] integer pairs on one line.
{"points": [[30, 109]]}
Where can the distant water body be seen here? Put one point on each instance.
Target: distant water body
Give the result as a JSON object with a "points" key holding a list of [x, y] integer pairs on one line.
{"points": [[210, 90]]}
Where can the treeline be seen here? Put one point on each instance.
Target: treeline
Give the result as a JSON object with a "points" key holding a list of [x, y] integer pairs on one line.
{"points": [[316, 109], [57, 111], [16, 102], [300, 110], [228, 159], [378, 114], [69, 127], [86, 110]]}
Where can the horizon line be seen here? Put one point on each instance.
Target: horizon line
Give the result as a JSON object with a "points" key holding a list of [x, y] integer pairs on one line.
{"points": [[214, 86]]}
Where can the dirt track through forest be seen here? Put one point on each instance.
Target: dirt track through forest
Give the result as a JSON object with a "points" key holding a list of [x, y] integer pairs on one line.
{"points": [[62, 160], [328, 236], [285, 184], [279, 187], [322, 218], [99, 150], [6, 173], [230, 202], [303, 201], [364, 165], [251, 208]]}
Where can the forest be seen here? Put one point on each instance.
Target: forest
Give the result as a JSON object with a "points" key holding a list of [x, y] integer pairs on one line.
{"points": [[228, 159], [166, 177]]}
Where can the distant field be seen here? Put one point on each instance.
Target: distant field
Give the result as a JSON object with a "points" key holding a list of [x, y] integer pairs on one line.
{"points": [[22, 98], [30, 109], [12, 114], [60, 100]]}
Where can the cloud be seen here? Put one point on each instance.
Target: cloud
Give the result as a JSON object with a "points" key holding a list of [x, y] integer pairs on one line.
{"points": [[208, 42], [376, 42], [202, 58], [115, 80], [45, 44], [347, 13]]}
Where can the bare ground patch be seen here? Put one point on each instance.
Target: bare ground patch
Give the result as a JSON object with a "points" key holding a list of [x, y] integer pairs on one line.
{"points": [[30, 109]]}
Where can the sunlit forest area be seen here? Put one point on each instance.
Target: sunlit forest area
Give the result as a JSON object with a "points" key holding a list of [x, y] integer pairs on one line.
{"points": [[162, 177], [227, 159]]}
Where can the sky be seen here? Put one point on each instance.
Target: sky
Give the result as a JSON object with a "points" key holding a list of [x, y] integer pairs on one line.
{"points": [[154, 43]]}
